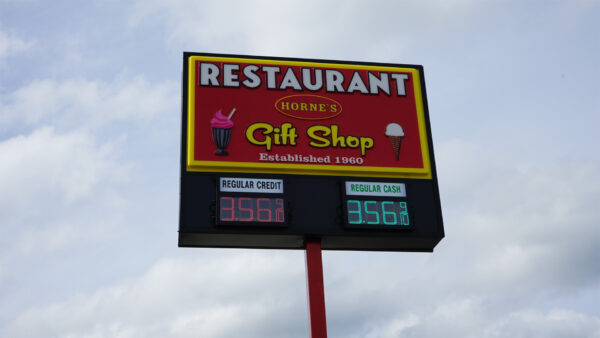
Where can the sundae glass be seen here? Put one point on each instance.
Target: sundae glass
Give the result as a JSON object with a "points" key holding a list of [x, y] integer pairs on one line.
{"points": [[221, 131]]}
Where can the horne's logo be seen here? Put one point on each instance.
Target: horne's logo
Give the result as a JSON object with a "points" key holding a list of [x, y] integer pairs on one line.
{"points": [[308, 107]]}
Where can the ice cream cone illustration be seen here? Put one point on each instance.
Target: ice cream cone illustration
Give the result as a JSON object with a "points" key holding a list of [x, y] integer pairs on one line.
{"points": [[221, 131], [395, 133]]}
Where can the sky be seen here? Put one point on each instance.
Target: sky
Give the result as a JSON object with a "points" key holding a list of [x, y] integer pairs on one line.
{"points": [[90, 116]]}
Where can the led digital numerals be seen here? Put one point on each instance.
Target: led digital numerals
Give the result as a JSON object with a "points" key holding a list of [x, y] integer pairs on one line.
{"points": [[377, 212], [249, 209]]}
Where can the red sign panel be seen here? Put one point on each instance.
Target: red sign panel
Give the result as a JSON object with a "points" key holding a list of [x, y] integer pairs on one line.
{"points": [[313, 118]]}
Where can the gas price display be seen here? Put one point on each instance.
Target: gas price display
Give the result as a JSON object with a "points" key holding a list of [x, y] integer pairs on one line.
{"points": [[251, 210], [369, 213]]}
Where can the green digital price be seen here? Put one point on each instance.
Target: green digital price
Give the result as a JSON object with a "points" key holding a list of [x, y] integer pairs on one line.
{"points": [[377, 213]]}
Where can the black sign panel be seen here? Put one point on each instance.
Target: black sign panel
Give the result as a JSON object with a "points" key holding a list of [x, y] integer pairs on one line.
{"points": [[310, 207]]}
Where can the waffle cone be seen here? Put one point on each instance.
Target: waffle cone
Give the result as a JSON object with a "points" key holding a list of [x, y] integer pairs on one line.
{"points": [[396, 143]]}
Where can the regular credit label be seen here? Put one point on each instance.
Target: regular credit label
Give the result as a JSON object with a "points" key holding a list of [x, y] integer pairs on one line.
{"points": [[255, 185], [375, 189]]}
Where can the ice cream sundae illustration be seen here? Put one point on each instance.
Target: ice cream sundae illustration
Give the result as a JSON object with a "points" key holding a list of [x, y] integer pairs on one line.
{"points": [[221, 131], [395, 133]]}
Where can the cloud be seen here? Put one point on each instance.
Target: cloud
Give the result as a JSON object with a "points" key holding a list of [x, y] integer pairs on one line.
{"points": [[249, 293], [58, 235], [61, 198], [313, 29], [554, 323], [74, 165], [472, 318], [11, 45], [252, 293], [78, 183], [57, 187], [79, 103], [532, 223], [50, 166]]}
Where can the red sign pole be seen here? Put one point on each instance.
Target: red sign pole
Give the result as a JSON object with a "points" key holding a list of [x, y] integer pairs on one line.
{"points": [[316, 291]]}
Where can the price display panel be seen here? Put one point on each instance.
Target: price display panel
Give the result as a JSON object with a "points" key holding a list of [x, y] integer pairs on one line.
{"points": [[377, 214], [239, 210], [250, 202], [376, 205]]}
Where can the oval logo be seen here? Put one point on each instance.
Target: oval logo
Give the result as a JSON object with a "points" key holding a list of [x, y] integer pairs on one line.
{"points": [[308, 107]]}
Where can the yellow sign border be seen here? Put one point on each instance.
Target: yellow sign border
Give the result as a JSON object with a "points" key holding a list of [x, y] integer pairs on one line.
{"points": [[305, 169]]}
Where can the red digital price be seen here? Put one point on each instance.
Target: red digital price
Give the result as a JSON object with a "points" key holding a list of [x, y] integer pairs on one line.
{"points": [[250, 209]]}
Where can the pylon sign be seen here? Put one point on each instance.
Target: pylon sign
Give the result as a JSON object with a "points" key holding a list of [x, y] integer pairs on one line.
{"points": [[278, 150]]}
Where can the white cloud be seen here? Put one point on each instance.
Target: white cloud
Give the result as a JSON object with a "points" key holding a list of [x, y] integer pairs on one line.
{"points": [[79, 103], [71, 154], [396, 327], [530, 225], [74, 165], [554, 323], [311, 29], [472, 318], [11, 44], [57, 188], [61, 234], [49, 166], [232, 293], [237, 293]]}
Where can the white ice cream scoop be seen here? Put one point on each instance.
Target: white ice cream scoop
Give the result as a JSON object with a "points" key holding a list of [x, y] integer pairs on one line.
{"points": [[394, 129]]}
